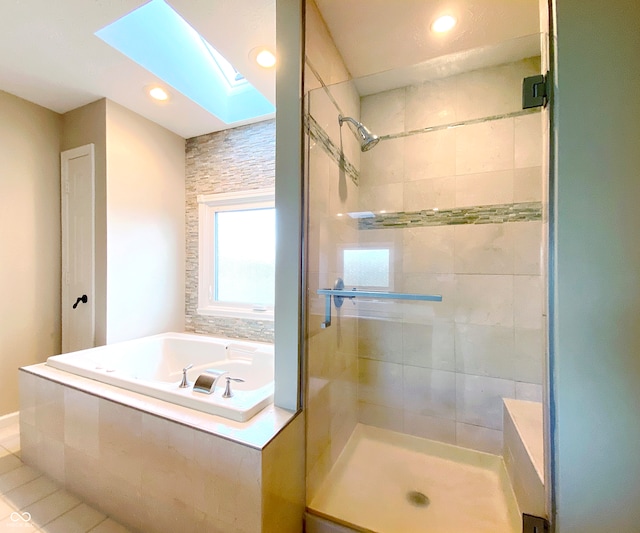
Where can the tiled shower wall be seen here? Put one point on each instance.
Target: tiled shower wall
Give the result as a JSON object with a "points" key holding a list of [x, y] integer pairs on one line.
{"points": [[462, 216], [238, 159]]}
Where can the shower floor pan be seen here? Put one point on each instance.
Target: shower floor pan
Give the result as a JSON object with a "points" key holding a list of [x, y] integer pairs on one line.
{"points": [[387, 482]]}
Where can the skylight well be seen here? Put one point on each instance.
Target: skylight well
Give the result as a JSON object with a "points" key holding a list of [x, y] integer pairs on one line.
{"points": [[161, 41]]}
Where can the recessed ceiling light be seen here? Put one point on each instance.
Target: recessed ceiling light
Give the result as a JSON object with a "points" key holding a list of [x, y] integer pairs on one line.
{"points": [[443, 24], [158, 93], [265, 58]]}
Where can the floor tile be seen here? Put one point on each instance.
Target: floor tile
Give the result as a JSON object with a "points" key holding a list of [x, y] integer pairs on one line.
{"points": [[5, 507], [19, 522], [8, 461], [80, 519], [51, 507], [30, 501], [16, 477], [11, 443], [30, 492], [109, 526]]}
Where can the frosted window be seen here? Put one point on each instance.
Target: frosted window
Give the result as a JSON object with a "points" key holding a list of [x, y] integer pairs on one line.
{"points": [[237, 254], [366, 268], [245, 246]]}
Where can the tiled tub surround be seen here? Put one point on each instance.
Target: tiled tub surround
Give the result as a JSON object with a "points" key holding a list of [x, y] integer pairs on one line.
{"points": [[237, 159], [461, 212], [158, 467], [50, 508]]}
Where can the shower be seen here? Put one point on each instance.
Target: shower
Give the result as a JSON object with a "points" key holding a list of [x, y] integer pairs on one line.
{"points": [[407, 396], [367, 139]]}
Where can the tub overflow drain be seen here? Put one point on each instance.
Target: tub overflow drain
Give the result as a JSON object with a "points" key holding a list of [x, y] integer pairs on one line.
{"points": [[417, 498]]}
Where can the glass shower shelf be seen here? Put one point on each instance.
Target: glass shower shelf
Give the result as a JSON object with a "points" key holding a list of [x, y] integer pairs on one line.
{"points": [[339, 294]]}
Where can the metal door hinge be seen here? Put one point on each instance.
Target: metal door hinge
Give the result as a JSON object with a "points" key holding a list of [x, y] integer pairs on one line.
{"points": [[534, 524], [535, 92]]}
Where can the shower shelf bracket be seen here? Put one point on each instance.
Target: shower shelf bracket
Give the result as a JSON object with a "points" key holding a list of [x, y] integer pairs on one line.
{"points": [[339, 294]]}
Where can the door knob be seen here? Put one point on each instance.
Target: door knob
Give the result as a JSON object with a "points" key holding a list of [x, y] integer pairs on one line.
{"points": [[82, 299]]}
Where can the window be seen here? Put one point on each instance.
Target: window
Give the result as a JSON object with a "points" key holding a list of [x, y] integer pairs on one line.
{"points": [[367, 267], [237, 248]]}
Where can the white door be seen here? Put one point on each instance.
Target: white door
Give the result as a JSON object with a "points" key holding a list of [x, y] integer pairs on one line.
{"points": [[78, 249]]}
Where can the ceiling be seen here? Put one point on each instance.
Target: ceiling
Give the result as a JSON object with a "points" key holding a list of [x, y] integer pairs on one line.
{"points": [[49, 54], [379, 35]]}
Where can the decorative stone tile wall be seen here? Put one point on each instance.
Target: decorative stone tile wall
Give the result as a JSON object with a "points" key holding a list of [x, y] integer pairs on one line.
{"points": [[238, 159]]}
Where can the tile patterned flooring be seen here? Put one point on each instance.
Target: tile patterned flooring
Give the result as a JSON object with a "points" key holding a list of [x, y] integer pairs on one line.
{"points": [[30, 501]]}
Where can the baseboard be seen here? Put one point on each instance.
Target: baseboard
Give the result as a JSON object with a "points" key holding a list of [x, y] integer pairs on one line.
{"points": [[9, 419]]}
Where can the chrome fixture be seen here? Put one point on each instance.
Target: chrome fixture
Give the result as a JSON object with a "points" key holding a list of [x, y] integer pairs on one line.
{"points": [[367, 139], [227, 390], [184, 383], [206, 383], [339, 294]]}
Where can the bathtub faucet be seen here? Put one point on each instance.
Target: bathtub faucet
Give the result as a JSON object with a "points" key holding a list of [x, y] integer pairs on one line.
{"points": [[184, 383], [206, 383]]}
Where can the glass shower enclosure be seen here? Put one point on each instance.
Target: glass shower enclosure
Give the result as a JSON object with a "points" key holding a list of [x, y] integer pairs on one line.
{"points": [[425, 282]]}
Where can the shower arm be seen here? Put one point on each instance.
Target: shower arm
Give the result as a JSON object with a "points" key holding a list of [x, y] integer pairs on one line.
{"points": [[339, 294], [353, 121]]}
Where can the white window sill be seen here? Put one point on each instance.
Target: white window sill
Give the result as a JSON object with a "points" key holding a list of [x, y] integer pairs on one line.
{"points": [[234, 312]]}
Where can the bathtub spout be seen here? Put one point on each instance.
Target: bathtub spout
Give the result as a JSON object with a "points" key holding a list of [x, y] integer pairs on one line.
{"points": [[206, 383]]}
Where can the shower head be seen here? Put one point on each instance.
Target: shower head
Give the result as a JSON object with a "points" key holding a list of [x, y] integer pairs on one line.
{"points": [[367, 139]]}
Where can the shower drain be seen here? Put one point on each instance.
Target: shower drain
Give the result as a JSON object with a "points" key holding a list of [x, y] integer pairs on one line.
{"points": [[417, 498]]}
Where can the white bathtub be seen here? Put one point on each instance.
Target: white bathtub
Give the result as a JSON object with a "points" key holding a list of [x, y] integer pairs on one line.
{"points": [[153, 366]]}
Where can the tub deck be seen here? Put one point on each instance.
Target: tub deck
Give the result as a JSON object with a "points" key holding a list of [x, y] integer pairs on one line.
{"points": [[256, 432], [153, 366]]}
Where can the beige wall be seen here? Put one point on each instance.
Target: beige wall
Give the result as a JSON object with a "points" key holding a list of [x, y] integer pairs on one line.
{"points": [[29, 240], [145, 226], [595, 359], [139, 220], [82, 126]]}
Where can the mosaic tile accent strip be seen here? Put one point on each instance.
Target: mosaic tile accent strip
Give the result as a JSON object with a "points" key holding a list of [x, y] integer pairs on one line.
{"points": [[469, 122], [484, 214], [238, 159], [319, 135]]}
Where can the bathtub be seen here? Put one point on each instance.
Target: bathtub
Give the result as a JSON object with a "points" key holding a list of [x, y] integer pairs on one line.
{"points": [[153, 366]]}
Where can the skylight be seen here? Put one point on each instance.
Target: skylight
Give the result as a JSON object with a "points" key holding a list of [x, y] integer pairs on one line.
{"points": [[231, 75], [161, 41]]}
